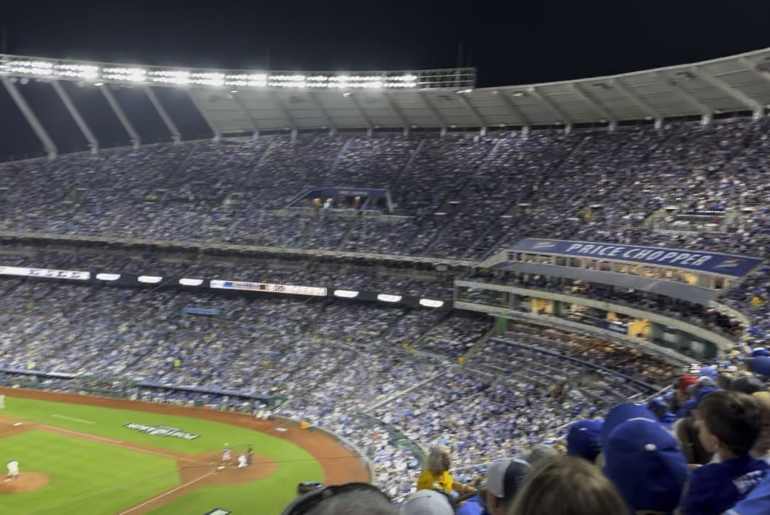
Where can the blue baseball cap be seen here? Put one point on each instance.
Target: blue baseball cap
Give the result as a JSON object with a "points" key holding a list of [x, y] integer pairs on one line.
{"points": [[620, 414], [657, 404], [584, 439], [703, 392], [760, 352], [646, 465], [760, 365]]}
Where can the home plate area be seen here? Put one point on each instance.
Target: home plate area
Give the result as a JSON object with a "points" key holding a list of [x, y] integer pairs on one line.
{"points": [[27, 481]]}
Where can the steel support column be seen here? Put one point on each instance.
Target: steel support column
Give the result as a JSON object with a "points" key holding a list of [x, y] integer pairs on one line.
{"points": [[731, 91], [514, 109], [79, 121], [285, 113], [324, 114], [393, 107], [176, 137], [561, 115], [48, 145], [586, 97], [685, 95], [361, 113], [638, 101], [476, 115], [441, 121], [242, 108], [205, 115], [124, 121]]}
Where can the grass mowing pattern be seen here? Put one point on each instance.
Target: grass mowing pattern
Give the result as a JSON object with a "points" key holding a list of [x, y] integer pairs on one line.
{"points": [[266, 497], [85, 477]]}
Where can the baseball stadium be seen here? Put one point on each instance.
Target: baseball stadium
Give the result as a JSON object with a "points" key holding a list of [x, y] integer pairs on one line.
{"points": [[278, 292]]}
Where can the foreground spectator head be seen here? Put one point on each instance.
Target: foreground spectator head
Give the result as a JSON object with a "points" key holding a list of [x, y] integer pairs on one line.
{"points": [[747, 384], [584, 439], [645, 464], [761, 447], [427, 502], [567, 486], [347, 499], [730, 423], [504, 479], [621, 413], [540, 452], [686, 432]]}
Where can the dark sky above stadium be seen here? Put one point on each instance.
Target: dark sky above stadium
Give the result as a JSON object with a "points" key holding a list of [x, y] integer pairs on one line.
{"points": [[510, 42]]}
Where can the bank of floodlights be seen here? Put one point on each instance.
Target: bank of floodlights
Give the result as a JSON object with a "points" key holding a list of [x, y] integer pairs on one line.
{"points": [[52, 69]]}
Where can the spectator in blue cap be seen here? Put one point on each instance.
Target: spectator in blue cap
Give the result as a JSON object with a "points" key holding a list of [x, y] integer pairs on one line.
{"points": [[659, 408], [621, 413], [760, 366], [584, 439], [646, 465]]}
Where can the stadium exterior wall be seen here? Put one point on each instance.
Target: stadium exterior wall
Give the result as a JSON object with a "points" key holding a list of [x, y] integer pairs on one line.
{"points": [[341, 440]]}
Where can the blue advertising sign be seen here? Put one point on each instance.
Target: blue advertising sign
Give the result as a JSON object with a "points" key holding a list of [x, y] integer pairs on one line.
{"points": [[697, 260]]}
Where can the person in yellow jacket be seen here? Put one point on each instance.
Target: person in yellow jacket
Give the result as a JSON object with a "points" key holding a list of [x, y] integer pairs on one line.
{"points": [[436, 475]]}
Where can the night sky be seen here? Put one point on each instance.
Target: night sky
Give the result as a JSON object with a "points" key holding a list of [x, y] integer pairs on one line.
{"points": [[513, 42]]}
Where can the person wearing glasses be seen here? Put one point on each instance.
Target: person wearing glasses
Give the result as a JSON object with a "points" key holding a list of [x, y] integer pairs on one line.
{"points": [[436, 475]]}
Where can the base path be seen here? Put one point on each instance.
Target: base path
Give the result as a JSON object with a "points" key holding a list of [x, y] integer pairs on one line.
{"points": [[339, 464], [27, 481]]}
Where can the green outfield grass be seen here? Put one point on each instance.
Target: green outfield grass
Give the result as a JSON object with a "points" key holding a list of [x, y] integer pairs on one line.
{"points": [[265, 497], [83, 475]]}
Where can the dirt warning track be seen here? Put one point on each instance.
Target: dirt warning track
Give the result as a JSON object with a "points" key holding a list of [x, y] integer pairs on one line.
{"points": [[339, 464]]}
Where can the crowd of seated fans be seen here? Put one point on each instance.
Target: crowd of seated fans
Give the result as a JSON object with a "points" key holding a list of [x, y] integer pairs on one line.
{"points": [[702, 449], [432, 375]]}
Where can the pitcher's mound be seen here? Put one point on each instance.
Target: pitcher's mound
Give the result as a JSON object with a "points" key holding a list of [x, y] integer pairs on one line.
{"points": [[27, 481]]}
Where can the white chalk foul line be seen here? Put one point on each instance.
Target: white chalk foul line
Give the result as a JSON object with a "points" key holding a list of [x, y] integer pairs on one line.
{"points": [[164, 494], [63, 417]]}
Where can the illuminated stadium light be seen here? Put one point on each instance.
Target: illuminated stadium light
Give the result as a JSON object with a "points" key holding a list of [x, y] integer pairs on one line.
{"points": [[190, 282], [149, 279], [384, 297], [52, 69], [108, 277], [346, 294], [431, 303]]}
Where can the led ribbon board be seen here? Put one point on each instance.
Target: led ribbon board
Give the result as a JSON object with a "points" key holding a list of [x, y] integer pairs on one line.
{"points": [[269, 288], [44, 272]]}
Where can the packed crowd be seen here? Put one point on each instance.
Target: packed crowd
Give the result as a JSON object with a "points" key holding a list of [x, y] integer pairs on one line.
{"points": [[703, 449], [461, 195], [434, 377]]}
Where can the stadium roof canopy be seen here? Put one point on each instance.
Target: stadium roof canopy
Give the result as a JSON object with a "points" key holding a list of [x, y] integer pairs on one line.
{"points": [[244, 101]]}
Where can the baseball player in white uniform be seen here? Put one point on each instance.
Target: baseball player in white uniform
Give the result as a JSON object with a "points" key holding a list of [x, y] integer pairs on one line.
{"points": [[242, 461], [2, 401], [13, 470]]}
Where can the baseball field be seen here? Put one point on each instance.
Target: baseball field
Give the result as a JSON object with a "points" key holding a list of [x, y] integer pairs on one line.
{"points": [[95, 456]]}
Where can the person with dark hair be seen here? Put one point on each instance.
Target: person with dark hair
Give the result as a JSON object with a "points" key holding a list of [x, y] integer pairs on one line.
{"points": [[686, 433], [730, 423], [567, 486]]}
